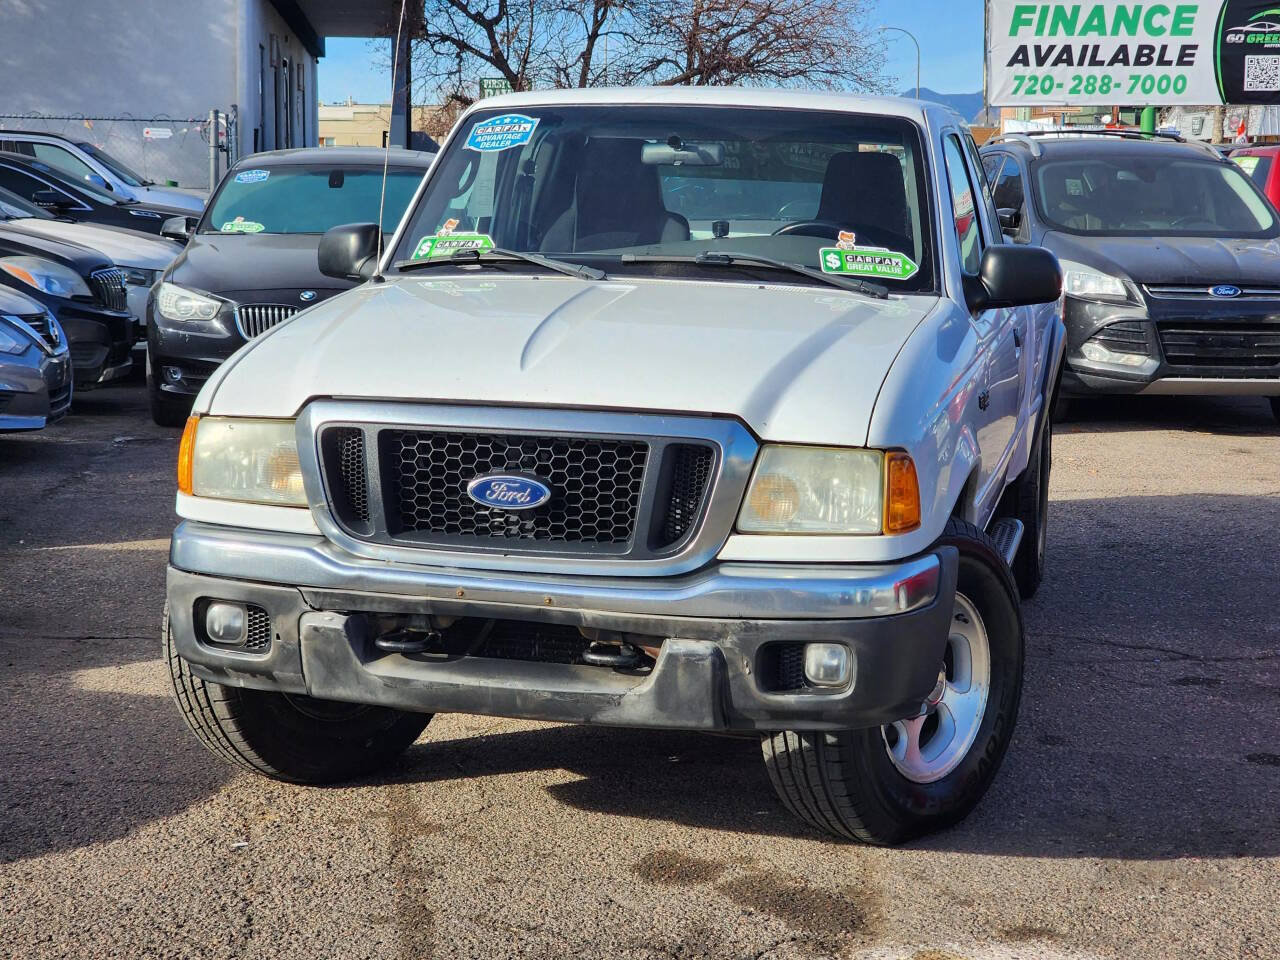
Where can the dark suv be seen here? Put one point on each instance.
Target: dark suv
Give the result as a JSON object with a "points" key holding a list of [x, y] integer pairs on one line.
{"points": [[1171, 258]]}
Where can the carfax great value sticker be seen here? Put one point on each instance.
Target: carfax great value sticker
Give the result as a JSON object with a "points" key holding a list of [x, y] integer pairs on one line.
{"points": [[874, 262], [501, 133], [1135, 53], [447, 244]]}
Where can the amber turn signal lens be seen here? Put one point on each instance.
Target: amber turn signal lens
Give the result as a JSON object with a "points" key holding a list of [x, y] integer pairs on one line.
{"points": [[902, 494], [186, 454]]}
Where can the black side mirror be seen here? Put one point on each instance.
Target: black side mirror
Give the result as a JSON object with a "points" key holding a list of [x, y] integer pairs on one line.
{"points": [[350, 251], [1010, 219], [179, 228], [1014, 277], [49, 199]]}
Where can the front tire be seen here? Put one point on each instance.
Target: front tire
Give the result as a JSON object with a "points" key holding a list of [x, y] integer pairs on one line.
{"points": [[286, 737], [872, 786]]}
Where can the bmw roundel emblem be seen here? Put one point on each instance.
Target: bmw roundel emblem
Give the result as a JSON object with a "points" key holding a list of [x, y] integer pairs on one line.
{"points": [[1225, 291], [506, 491], [306, 296]]}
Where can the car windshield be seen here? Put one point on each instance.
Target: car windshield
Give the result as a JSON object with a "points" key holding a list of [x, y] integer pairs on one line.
{"points": [[633, 186], [308, 199], [115, 166], [1140, 195], [14, 207]]}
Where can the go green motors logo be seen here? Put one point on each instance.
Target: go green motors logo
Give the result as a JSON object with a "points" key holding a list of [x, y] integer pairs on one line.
{"points": [[1248, 52]]}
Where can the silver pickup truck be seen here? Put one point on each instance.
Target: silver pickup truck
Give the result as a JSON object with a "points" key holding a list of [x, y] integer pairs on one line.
{"points": [[711, 410]]}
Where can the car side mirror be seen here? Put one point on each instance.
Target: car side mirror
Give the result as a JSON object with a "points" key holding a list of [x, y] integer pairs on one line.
{"points": [[99, 181], [1014, 277], [1010, 219], [350, 251], [49, 199], [178, 228]]}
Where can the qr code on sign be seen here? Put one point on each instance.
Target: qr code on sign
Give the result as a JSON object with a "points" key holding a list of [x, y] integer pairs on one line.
{"points": [[1262, 74]]}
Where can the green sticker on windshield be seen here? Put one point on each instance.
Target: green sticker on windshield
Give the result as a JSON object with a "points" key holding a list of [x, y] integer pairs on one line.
{"points": [[241, 225], [868, 262], [447, 244]]}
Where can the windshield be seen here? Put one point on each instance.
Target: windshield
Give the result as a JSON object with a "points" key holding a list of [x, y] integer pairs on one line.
{"points": [[115, 166], [14, 207], [839, 192], [308, 199], [1140, 195]]}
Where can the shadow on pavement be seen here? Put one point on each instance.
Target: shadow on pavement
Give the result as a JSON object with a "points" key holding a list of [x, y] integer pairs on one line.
{"points": [[1229, 416]]}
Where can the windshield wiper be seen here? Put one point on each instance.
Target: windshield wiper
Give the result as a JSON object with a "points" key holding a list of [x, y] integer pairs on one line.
{"points": [[709, 258], [502, 254]]}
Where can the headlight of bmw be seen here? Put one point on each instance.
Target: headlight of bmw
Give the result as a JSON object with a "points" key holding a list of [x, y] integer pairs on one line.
{"points": [[1086, 283], [46, 276], [831, 491], [255, 461], [179, 303]]}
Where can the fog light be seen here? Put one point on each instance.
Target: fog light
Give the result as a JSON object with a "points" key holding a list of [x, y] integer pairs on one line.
{"points": [[225, 622], [827, 664], [172, 374]]}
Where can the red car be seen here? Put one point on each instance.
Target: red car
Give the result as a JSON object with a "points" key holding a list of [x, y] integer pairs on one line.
{"points": [[1262, 164]]}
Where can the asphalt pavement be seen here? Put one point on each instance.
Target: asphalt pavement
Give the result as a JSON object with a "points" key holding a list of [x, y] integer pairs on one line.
{"points": [[1136, 816]]}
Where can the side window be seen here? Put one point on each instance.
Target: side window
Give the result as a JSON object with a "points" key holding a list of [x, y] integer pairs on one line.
{"points": [[1008, 187], [17, 146], [20, 183], [964, 205], [63, 160], [991, 167]]}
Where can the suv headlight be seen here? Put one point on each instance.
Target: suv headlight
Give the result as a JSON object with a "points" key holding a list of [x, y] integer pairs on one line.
{"points": [[179, 303], [255, 461], [46, 276], [831, 491], [1086, 283]]}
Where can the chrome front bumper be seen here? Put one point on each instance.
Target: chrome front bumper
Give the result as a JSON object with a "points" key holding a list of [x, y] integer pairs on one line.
{"points": [[714, 625]]}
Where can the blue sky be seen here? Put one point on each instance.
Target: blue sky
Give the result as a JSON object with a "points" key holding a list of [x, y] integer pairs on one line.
{"points": [[950, 33]]}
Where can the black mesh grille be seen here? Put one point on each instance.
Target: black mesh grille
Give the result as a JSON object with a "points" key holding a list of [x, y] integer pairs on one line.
{"points": [[690, 478], [108, 288], [258, 635], [596, 485], [351, 466], [781, 667]]}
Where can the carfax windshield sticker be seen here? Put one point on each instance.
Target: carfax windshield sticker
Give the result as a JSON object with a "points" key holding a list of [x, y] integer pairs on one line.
{"points": [[868, 262], [501, 133], [241, 225], [252, 176], [446, 245]]}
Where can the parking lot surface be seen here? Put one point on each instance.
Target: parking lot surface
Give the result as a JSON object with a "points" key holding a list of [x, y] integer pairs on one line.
{"points": [[1135, 816]]}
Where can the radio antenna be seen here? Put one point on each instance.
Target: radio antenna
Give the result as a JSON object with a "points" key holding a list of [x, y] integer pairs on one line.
{"points": [[386, 149]]}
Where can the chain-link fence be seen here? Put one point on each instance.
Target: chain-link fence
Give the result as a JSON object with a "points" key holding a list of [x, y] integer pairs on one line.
{"points": [[168, 150]]}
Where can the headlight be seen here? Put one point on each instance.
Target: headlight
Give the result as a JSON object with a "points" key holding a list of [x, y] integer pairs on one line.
{"points": [[233, 459], [829, 490], [1086, 283], [139, 277], [179, 303], [46, 276], [11, 339]]}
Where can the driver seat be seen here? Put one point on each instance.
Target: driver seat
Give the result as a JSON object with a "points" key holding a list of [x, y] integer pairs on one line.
{"points": [[867, 189]]}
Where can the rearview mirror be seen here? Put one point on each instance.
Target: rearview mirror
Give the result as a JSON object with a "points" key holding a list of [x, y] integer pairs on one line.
{"points": [[178, 228], [1014, 277], [1010, 219], [349, 251], [682, 154], [49, 199]]}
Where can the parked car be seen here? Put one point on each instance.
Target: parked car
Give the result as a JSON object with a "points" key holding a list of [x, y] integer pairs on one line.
{"points": [[35, 366], [142, 257], [703, 409], [251, 259], [1259, 163], [83, 290], [81, 160], [41, 184], [1171, 257]]}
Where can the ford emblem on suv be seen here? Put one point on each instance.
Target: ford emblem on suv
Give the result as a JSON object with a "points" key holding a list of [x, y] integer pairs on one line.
{"points": [[508, 492], [1225, 291]]}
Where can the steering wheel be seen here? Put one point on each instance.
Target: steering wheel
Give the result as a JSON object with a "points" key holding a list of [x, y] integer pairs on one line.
{"points": [[811, 228]]}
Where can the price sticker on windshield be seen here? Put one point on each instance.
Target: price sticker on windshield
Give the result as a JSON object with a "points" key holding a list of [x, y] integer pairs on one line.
{"points": [[447, 244], [875, 262]]}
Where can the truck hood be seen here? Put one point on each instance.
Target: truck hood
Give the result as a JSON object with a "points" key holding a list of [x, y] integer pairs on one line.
{"points": [[797, 363], [1175, 260], [125, 248]]}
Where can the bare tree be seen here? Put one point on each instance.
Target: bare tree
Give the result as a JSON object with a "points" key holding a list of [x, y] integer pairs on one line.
{"points": [[584, 43]]}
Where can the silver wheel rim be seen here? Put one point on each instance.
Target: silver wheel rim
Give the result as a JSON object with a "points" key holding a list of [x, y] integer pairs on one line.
{"points": [[927, 747]]}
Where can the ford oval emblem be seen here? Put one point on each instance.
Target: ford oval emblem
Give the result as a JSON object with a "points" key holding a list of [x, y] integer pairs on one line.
{"points": [[306, 296], [505, 491], [1225, 291]]}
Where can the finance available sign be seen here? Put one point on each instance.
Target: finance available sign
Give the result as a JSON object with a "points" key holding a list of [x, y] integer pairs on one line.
{"points": [[1133, 53]]}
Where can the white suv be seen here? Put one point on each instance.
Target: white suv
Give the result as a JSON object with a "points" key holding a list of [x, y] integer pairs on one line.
{"points": [[713, 409], [81, 160]]}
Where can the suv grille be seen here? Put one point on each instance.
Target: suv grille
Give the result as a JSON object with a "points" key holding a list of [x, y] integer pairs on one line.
{"points": [[597, 481], [108, 288], [1201, 292], [42, 323], [1201, 343], [255, 319]]}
